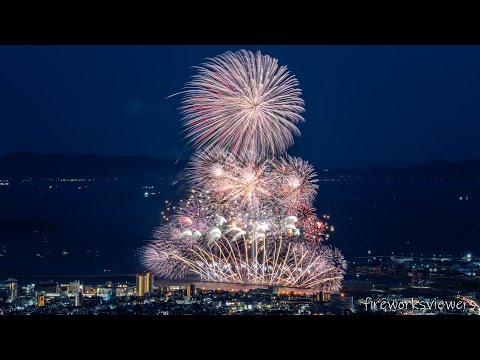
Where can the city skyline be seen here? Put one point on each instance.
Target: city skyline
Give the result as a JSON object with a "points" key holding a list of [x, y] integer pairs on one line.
{"points": [[375, 285], [239, 180]]}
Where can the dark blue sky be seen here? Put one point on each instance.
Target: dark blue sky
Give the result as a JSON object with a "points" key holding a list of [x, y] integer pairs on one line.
{"points": [[365, 105]]}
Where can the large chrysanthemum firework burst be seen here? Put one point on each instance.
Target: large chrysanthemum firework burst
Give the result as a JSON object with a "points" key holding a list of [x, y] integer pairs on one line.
{"points": [[244, 103], [250, 215]]}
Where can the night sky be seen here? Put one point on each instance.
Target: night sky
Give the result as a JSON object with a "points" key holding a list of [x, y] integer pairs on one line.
{"points": [[365, 105]]}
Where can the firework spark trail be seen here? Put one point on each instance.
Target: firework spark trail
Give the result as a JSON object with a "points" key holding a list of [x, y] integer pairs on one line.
{"points": [[250, 216]]}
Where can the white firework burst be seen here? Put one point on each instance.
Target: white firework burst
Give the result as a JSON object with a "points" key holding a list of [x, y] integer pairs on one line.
{"points": [[296, 180], [229, 181], [243, 103]]}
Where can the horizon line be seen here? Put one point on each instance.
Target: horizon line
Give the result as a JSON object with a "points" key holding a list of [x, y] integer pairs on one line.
{"points": [[365, 165]]}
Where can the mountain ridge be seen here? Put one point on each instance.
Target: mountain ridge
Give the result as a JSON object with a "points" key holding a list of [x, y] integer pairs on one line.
{"points": [[25, 164]]}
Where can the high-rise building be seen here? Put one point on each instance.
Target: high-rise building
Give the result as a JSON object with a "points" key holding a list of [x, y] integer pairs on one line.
{"points": [[149, 280], [13, 286], [190, 290], [40, 299], [78, 299], [9, 289], [145, 284], [140, 285], [152, 282]]}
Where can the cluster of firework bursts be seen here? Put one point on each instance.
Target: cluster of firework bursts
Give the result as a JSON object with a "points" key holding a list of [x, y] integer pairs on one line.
{"points": [[249, 217]]}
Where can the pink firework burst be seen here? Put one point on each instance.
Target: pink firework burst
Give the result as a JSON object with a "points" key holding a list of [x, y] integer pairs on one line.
{"points": [[296, 180]]}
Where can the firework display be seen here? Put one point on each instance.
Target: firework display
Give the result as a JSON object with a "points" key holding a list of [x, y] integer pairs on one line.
{"points": [[249, 216]]}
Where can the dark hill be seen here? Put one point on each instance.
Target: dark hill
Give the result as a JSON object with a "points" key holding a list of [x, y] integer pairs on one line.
{"points": [[26, 164]]}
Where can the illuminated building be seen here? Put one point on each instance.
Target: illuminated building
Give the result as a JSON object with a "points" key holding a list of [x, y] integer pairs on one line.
{"points": [[124, 290], [175, 288], [89, 290], [8, 289], [13, 288], [145, 284], [28, 288], [121, 290], [104, 292], [148, 283], [78, 299], [146, 287], [48, 288], [190, 290], [322, 296], [40, 300], [75, 287], [140, 285]]}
